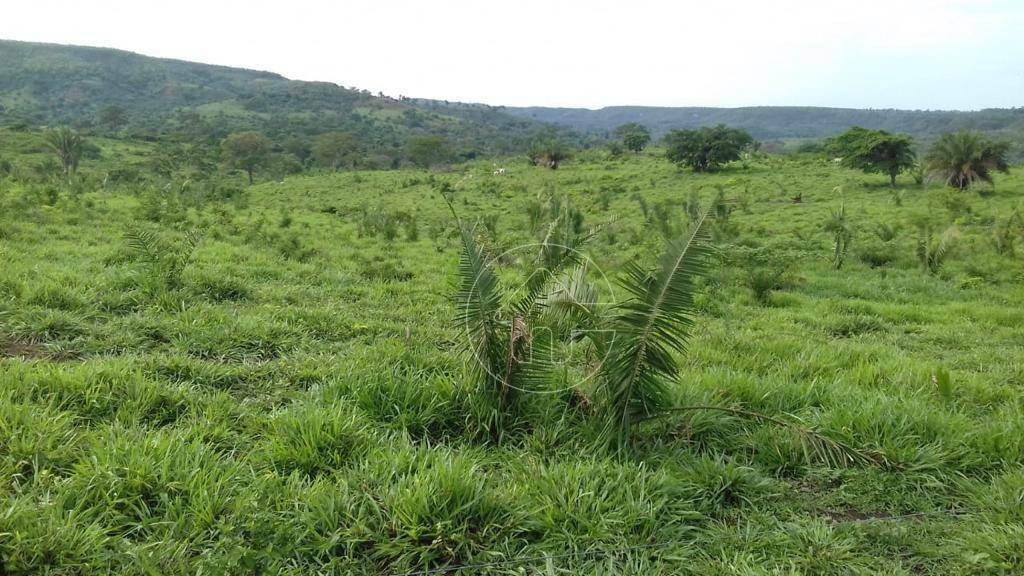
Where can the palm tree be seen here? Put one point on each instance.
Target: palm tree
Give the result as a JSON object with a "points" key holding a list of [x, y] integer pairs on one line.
{"points": [[550, 153], [67, 145], [962, 159]]}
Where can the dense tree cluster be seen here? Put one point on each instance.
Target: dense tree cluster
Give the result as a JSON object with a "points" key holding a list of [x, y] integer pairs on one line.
{"points": [[634, 137], [706, 149]]}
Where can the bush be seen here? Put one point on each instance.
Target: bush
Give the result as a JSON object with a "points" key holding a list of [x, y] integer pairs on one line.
{"points": [[877, 255], [381, 270]]}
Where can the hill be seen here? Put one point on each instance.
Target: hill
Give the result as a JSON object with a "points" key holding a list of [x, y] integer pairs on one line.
{"points": [[781, 122], [45, 84]]}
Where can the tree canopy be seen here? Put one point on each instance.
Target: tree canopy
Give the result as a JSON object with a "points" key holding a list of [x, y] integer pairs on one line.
{"points": [[549, 152], [112, 117], [634, 136], [427, 151], [68, 145], [874, 151], [962, 159], [333, 149], [246, 151], [706, 149]]}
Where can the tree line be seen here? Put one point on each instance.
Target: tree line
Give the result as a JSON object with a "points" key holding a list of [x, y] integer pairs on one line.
{"points": [[958, 159]]}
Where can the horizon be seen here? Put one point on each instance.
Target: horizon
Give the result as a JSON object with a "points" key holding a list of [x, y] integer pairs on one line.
{"points": [[812, 59], [264, 71]]}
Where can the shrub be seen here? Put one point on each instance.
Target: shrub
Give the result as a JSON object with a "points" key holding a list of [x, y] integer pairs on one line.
{"points": [[382, 270], [933, 250]]}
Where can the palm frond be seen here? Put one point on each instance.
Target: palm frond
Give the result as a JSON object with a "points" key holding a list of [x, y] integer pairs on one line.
{"points": [[571, 296], [945, 244], [143, 244], [557, 253], [188, 249], [534, 360], [478, 304], [655, 322]]}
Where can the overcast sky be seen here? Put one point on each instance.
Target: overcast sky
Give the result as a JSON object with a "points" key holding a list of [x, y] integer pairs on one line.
{"points": [[948, 54]]}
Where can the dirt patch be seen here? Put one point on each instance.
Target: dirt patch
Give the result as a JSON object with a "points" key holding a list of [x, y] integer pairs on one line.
{"points": [[26, 350]]}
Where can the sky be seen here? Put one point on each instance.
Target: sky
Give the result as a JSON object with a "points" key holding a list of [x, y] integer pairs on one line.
{"points": [[911, 54]]}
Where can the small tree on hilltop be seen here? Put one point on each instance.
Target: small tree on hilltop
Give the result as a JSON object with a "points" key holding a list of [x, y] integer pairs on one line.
{"points": [[708, 148], [964, 158], [634, 136], [874, 151], [333, 149], [248, 151]]}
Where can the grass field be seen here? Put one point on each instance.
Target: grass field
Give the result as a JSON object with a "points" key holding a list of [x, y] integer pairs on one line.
{"points": [[293, 397]]}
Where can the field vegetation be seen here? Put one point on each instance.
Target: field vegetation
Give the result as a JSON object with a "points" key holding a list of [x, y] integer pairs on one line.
{"points": [[739, 363]]}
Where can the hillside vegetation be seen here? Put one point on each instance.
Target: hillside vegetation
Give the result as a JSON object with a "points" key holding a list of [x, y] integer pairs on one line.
{"points": [[50, 85], [208, 377]]}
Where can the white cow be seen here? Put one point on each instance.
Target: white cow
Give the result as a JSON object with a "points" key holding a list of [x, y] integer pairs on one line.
{"points": [[499, 172]]}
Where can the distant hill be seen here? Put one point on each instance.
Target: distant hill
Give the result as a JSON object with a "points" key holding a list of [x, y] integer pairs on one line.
{"points": [[45, 84], [780, 122]]}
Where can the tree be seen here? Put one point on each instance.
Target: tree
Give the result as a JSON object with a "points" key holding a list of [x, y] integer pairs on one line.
{"points": [[874, 151], [634, 136], [185, 161], [68, 145], [113, 117], [298, 147], [706, 149], [426, 151], [333, 149], [247, 151], [549, 152], [962, 159]]}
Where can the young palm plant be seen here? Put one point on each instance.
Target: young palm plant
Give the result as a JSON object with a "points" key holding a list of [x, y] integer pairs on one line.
{"points": [[842, 235], [932, 250], [509, 352], [635, 340], [165, 261], [1005, 233]]}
